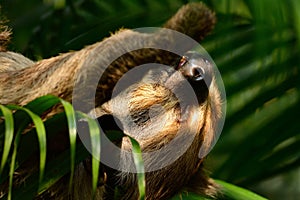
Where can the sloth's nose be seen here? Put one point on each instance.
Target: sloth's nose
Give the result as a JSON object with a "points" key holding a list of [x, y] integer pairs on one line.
{"points": [[196, 68], [194, 72]]}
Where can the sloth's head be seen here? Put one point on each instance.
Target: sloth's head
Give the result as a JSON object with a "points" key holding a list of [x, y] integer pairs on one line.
{"points": [[154, 102], [171, 111]]}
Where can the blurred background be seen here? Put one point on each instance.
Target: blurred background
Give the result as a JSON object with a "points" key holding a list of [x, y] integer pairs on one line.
{"points": [[256, 47]]}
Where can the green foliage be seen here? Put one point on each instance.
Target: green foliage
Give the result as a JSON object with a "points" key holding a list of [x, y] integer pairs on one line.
{"points": [[229, 192], [255, 46], [234, 192], [59, 166], [8, 134], [138, 161], [258, 60]]}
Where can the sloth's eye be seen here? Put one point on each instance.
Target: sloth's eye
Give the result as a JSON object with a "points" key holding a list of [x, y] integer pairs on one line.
{"points": [[182, 62]]}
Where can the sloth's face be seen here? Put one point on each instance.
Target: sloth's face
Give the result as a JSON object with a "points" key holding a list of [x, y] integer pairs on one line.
{"points": [[163, 101]]}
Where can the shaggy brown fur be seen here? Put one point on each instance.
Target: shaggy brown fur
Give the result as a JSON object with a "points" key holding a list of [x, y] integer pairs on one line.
{"points": [[4, 37], [22, 80]]}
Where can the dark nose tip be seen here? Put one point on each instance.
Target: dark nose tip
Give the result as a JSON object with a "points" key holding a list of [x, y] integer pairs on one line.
{"points": [[196, 68], [195, 73]]}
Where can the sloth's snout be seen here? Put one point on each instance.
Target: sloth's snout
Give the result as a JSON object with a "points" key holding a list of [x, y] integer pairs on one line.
{"points": [[195, 73], [196, 68]]}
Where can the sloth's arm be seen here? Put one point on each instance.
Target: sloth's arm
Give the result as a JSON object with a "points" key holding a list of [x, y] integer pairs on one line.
{"points": [[194, 20]]}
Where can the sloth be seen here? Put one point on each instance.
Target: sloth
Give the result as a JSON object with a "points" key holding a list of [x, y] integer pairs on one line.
{"points": [[171, 108]]}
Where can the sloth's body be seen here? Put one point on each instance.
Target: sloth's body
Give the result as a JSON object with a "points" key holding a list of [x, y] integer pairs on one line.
{"points": [[22, 80]]}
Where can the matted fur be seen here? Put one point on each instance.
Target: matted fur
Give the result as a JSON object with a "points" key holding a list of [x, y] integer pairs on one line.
{"points": [[22, 80], [5, 34]]}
